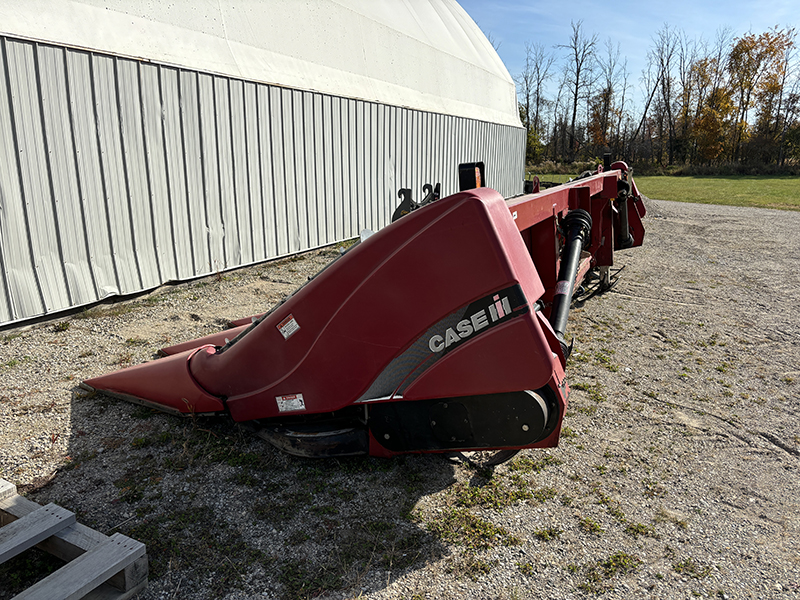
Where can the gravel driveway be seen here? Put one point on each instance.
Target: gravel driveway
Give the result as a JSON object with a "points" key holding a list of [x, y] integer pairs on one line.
{"points": [[678, 474]]}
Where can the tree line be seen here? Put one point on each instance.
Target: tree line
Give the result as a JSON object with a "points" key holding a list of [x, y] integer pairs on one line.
{"points": [[733, 100]]}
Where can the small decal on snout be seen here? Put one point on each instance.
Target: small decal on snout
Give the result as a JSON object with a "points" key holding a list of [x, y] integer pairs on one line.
{"points": [[288, 327], [290, 402]]}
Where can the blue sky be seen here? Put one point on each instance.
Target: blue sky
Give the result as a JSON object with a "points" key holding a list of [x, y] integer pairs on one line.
{"points": [[632, 24]]}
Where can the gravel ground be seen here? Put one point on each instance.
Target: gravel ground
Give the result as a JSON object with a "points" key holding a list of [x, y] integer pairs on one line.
{"points": [[677, 475]]}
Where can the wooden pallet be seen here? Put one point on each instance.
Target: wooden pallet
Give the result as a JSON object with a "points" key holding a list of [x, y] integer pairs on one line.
{"points": [[98, 567]]}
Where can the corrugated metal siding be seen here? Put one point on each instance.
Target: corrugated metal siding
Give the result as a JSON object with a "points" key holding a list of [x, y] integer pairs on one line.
{"points": [[117, 176]]}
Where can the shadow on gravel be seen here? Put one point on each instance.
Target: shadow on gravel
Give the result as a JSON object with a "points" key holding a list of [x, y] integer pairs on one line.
{"points": [[225, 515]]}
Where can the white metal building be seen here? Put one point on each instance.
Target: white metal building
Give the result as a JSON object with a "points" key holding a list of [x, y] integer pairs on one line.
{"points": [[143, 141]]}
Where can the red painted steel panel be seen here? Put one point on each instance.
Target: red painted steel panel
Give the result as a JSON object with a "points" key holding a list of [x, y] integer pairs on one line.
{"points": [[383, 306]]}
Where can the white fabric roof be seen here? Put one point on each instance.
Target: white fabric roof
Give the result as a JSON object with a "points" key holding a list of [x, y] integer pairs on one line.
{"points": [[423, 54]]}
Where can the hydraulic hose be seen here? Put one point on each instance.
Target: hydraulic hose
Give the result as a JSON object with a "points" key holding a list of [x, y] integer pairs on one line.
{"points": [[623, 191], [577, 227]]}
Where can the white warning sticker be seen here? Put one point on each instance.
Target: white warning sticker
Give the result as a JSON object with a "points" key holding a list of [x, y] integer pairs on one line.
{"points": [[562, 287], [288, 327], [290, 402]]}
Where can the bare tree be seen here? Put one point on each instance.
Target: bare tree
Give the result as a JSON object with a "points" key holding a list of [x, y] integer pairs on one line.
{"points": [[619, 137], [651, 81], [530, 91], [577, 73], [493, 40], [543, 63], [662, 56], [688, 56], [602, 103]]}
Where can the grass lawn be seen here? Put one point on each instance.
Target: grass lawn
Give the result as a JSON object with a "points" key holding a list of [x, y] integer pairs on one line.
{"points": [[763, 192]]}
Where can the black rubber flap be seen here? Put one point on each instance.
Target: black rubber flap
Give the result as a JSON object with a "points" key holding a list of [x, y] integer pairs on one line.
{"points": [[487, 421]]}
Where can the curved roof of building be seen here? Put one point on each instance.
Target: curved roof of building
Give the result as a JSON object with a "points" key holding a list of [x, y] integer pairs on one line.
{"points": [[423, 54]]}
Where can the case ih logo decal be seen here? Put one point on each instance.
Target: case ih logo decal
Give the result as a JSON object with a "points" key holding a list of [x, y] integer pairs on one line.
{"points": [[480, 315], [458, 327]]}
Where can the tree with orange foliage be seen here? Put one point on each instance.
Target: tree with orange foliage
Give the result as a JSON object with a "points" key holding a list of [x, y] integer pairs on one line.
{"points": [[755, 65]]}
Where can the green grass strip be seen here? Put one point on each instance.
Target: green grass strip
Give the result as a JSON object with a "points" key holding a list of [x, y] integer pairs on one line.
{"points": [[780, 192]]}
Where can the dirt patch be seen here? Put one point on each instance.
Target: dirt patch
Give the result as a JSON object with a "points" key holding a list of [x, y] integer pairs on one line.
{"points": [[677, 476]]}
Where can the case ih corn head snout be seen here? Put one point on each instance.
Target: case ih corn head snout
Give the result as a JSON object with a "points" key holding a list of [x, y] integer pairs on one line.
{"points": [[443, 331]]}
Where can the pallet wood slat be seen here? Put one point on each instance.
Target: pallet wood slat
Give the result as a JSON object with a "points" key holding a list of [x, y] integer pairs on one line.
{"points": [[7, 489], [67, 544], [33, 528], [76, 540], [77, 578]]}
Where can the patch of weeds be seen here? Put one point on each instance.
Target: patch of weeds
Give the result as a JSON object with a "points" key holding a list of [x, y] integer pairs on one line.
{"points": [[15, 362], [111, 442], [527, 464], [141, 442], [544, 494], [400, 552], [345, 494], [637, 529], [603, 356], [601, 469], [216, 444], [10, 337], [612, 506], [567, 432], [595, 392], [245, 459], [62, 327], [690, 568], [412, 480], [136, 341], [526, 569], [577, 357], [587, 410], [73, 462], [298, 537], [358, 464], [124, 358], [245, 478], [279, 507], [156, 440], [200, 543], [548, 533], [153, 300], [460, 526], [473, 567], [347, 244], [723, 367], [652, 395], [324, 510], [567, 500], [495, 494], [133, 485], [653, 489], [788, 380], [598, 573], [98, 312], [589, 525], [374, 544], [300, 583], [142, 412]]}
